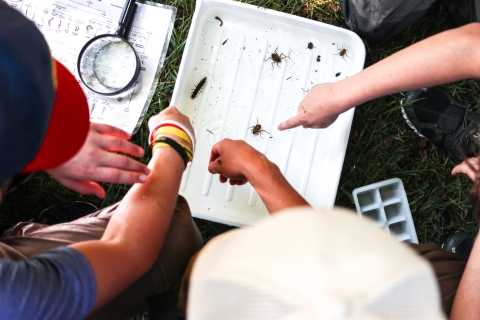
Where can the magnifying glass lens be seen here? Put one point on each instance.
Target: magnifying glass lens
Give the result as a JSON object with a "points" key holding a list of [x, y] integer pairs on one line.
{"points": [[108, 65], [115, 64]]}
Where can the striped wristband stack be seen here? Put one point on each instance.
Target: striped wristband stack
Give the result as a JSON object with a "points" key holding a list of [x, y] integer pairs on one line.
{"points": [[158, 139]]}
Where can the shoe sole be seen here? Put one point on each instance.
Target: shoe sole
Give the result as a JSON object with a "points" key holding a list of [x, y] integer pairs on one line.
{"points": [[410, 124]]}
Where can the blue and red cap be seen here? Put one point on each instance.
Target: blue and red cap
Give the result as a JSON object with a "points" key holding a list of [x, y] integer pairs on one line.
{"points": [[40, 127]]}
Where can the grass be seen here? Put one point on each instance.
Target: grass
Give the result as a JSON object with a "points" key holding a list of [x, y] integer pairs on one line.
{"points": [[381, 144]]}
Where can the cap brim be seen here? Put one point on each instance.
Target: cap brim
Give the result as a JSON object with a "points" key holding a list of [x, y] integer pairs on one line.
{"points": [[69, 124]]}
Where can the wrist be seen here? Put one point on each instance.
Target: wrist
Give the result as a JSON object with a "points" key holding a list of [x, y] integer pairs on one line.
{"points": [[183, 151], [348, 94], [257, 168], [166, 155]]}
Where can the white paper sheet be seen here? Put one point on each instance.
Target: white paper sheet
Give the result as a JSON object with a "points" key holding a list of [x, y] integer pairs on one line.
{"points": [[69, 24]]}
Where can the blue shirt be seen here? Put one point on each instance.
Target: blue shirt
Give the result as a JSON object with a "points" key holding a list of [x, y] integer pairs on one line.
{"points": [[55, 284]]}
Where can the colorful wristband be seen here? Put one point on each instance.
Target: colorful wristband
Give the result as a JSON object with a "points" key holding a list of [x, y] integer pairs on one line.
{"points": [[187, 149], [176, 124], [173, 131], [163, 141]]}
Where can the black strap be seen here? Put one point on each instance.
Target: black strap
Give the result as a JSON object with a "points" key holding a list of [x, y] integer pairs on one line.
{"points": [[175, 145]]}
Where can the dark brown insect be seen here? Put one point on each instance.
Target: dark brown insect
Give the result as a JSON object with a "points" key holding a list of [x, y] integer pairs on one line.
{"points": [[318, 58], [198, 87], [257, 129], [342, 53], [337, 74], [221, 22], [304, 111], [219, 162], [310, 45], [224, 42], [276, 58]]}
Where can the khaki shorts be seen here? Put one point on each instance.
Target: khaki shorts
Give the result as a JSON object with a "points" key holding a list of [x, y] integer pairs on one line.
{"points": [[183, 240]]}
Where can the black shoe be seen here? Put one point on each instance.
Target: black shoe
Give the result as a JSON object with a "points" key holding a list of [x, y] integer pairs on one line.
{"points": [[460, 243], [445, 121], [65, 213]]}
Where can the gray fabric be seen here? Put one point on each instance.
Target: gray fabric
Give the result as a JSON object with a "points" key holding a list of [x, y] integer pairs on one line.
{"points": [[38, 288], [27, 239], [381, 20]]}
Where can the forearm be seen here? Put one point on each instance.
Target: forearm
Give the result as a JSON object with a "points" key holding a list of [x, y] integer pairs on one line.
{"points": [[124, 253], [272, 187], [467, 299], [449, 56]]}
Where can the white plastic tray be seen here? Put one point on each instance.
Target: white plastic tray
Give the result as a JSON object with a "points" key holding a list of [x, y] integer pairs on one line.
{"points": [[241, 87], [386, 204]]}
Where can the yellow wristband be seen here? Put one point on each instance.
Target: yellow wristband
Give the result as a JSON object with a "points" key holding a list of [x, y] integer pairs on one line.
{"points": [[157, 145], [173, 131]]}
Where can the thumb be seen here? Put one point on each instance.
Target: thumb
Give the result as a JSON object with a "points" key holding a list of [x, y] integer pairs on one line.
{"points": [[293, 122], [213, 166]]}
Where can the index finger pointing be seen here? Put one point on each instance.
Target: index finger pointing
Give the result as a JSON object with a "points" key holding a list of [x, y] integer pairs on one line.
{"points": [[292, 122]]}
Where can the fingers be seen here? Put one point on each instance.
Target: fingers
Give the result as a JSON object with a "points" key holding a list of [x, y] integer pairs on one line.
{"points": [[116, 175], [110, 130], [117, 144], [237, 182], [464, 168], [293, 122], [119, 161], [84, 187], [214, 154], [232, 182], [215, 166]]}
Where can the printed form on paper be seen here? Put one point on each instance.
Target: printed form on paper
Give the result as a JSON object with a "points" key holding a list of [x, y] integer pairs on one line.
{"points": [[68, 25]]}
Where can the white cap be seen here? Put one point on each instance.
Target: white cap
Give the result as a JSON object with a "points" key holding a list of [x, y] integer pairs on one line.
{"points": [[307, 264]]}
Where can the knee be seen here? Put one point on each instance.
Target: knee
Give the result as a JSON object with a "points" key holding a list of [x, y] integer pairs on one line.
{"points": [[182, 242]]}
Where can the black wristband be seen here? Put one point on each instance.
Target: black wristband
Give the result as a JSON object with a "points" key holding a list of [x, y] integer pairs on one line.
{"points": [[175, 145]]}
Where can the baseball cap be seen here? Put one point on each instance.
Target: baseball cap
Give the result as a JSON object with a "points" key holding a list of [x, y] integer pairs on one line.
{"points": [[40, 127], [307, 264]]}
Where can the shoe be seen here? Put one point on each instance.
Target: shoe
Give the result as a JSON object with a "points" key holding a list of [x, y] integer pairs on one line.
{"points": [[460, 243], [65, 213], [445, 121]]}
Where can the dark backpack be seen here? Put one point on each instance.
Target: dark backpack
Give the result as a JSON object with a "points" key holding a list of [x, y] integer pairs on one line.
{"points": [[382, 20], [464, 11]]}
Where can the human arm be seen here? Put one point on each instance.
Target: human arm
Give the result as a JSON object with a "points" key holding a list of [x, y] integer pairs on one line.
{"points": [[466, 303], [448, 56], [137, 230], [96, 162], [238, 162]]}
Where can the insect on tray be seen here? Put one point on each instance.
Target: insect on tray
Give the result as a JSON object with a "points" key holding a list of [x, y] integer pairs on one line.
{"points": [[254, 81]]}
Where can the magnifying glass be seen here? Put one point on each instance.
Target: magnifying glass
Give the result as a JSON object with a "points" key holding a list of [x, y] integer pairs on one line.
{"points": [[108, 64]]}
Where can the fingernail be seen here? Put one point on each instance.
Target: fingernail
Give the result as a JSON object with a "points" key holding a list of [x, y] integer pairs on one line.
{"points": [[141, 151], [147, 170], [142, 178]]}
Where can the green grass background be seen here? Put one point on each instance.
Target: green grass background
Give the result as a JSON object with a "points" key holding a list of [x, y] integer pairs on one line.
{"points": [[381, 145]]}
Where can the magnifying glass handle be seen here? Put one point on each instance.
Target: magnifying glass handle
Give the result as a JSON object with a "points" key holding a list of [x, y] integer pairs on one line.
{"points": [[126, 16]]}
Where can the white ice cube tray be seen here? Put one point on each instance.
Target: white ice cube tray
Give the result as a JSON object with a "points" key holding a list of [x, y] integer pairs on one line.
{"points": [[386, 204]]}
